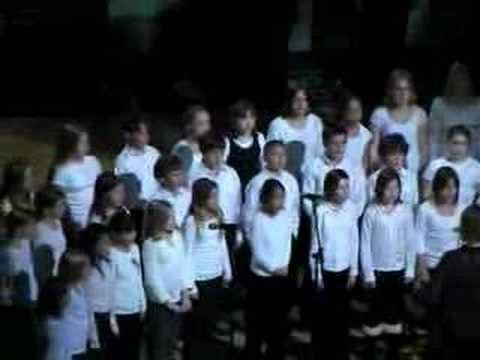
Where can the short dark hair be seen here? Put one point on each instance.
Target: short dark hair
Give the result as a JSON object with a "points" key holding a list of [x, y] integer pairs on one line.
{"points": [[272, 144], [47, 198], [105, 183], [330, 131], [343, 102], [212, 141], [332, 180], [268, 189], [392, 144], [241, 108], [459, 130], [134, 123], [470, 224], [190, 113], [384, 178], [121, 223], [441, 179], [166, 165]]}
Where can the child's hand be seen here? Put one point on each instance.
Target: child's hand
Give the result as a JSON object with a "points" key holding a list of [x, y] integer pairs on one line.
{"points": [[352, 280], [281, 272], [174, 307], [186, 305], [114, 326]]}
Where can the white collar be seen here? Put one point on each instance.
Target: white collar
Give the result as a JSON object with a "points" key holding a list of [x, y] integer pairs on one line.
{"points": [[130, 150]]}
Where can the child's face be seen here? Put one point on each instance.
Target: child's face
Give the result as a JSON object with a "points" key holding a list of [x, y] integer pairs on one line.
{"points": [[246, 124], [458, 147], [276, 158], [391, 192], [126, 238], [174, 179], [212, 201], [353, 112], [213, 159], [395, 160], [300, 105], [201, 124], [139, 138], [169, 225], [103, 246], [343, 191], [402, 93], [336, 147], [116, 197], [449, 193], [83, 146], [276, 201]]}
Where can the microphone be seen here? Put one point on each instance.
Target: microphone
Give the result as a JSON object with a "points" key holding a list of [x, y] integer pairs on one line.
{"points": [[312, 197], [222, 226]]}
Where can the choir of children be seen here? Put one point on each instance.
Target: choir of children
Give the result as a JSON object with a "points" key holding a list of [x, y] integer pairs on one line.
{"points": [[98, 293]]}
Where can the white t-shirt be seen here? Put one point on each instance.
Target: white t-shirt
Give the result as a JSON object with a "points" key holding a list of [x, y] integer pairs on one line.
{"points": [[437, 233], [77, 180], [409, 128], [270, 241], [357, 146], [468, 172], [310, 134], [140, 163]]}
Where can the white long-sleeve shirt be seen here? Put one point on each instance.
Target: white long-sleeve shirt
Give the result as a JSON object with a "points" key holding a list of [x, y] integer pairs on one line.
{"points": [[357, 146], [180, 201], [437, 233], [252, 198], [339, 237], [77, 180], [270, 241], [207, 248], [99, 287], [128, 293], [229, 189], [388, 241], [141, 163], [316, 172], [409, 182], [468, 172], [310, 134], [167, 268]]}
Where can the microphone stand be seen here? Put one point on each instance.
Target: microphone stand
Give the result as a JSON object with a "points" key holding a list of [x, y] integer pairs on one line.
{"points": [[318, 256]]}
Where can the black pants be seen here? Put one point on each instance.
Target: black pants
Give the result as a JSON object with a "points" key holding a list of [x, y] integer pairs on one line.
{"points": [[331, 317], [201, 323], [105, 335], [388, 305], [164, 328], [127, 344], [268, 304]]}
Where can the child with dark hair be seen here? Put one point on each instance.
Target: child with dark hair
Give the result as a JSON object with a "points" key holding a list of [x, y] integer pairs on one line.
{"points": [[269, 288], [334, 266], [245, 143], [49, 242], [75, 172], [393, 151], [170, 176], [16, 193], [138, 157], [128, 299], [458, 158], [169, 280], [387, 254], [110, 197]]}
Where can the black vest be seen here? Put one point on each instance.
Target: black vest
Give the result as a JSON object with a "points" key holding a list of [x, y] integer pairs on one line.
{"points": [[246, 161]]}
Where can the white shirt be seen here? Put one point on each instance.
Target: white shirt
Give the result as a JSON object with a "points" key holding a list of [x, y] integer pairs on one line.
{"points": [[180, 200], [77, 180], [140, 163], [208, 250], [316, 172], [357, 146], [270, 241], [128, 293], [168, 269], [197, 155], [468, 172], [310, 134], [387, 125], [229, 189], [338, 233], [437, 233], [99, 287], [409, 183], [252, 197], [388, 241], [67, 334], [49, 244]]}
